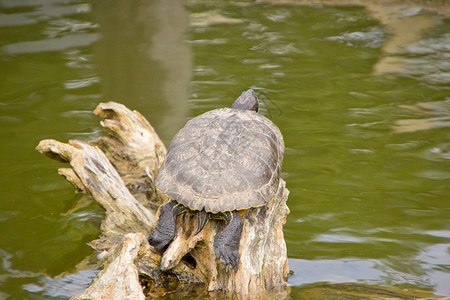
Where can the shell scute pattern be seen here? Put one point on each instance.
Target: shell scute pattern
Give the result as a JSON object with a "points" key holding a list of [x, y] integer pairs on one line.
{"points": [[235, 182], [223, 160], [253, 168]]}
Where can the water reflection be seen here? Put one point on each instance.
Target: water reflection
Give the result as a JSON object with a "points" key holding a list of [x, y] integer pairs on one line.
{"points": [[333, 271], [405, 26], [144, 61], [435, 260], [438, 113], [66, 287]]}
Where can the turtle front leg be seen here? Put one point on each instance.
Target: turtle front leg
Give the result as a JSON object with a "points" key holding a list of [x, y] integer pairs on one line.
{"points": [[164, 232], [226, 243]]}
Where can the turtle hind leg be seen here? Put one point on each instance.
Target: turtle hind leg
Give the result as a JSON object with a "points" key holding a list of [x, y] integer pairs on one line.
{"points": [[226, 243], [164, 232]]}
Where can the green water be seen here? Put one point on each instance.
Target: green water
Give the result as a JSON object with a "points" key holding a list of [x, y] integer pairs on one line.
{"points": [[367, 155]]}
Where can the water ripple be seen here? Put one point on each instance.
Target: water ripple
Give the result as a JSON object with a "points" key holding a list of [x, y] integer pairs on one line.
{"points": [[66, 287], [41, 12], [81, 83], [217, 41], [59, 26], [333, 271], [372, 37], [54, 44]]}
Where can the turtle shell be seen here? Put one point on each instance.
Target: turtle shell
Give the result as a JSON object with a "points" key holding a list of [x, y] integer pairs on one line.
{"points": [[223, 160]]}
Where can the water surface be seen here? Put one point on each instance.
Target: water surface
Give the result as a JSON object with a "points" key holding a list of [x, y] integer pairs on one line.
{"points": [[365, 126]]}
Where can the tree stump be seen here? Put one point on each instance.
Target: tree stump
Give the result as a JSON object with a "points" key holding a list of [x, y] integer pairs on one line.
{"points": [[117, 167]]}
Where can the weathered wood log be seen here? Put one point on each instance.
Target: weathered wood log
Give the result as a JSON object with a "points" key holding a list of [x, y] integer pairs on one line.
{"points": [[134, 153], [132, 145], [119, 278], [133, 156], [93, 170]]}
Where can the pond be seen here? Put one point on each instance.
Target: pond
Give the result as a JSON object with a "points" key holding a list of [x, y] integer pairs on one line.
{"points": [[360, 93]]}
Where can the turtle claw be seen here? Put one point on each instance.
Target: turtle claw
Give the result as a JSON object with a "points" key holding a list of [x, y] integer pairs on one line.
{"points": [[226, 243]]}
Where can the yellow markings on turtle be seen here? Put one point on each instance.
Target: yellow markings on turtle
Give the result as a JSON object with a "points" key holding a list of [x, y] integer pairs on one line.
{"points": [[243, 211], [183, 208], [228, 216]]}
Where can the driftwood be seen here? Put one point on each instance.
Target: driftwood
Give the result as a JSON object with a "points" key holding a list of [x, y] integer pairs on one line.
{"points": [[117, 169], [132, 145]]}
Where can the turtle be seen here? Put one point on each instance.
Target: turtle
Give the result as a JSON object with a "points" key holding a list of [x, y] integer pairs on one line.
{"points": [[219, 165]]}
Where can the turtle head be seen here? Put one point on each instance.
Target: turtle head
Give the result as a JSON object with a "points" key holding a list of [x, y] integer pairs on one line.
{"points": [[246, 101]]}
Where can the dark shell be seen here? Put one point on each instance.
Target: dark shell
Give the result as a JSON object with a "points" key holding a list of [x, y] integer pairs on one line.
{"points": [[223, 160]]}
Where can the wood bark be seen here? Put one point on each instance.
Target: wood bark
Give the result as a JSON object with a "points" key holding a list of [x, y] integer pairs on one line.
{"points": [[117, 170]]}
